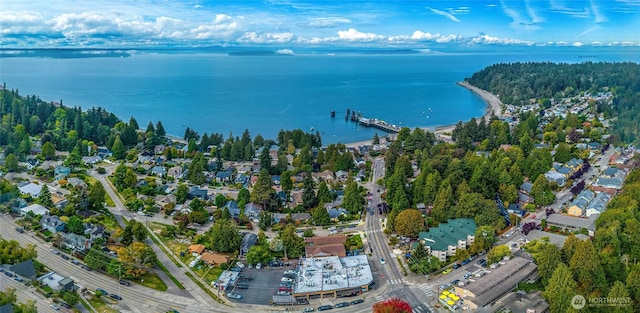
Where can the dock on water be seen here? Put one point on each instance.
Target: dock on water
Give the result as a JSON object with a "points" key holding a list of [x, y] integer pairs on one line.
{"points": [[372, 122]]}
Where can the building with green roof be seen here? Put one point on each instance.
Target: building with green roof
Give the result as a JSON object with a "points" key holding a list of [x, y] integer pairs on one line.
{"points": [[447, 238]]}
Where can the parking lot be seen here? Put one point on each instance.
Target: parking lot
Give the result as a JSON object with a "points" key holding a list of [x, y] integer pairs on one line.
{"points": [[263, 285]]}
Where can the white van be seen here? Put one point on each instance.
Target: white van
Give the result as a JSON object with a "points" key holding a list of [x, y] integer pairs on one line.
{"points": [[240, 265]]}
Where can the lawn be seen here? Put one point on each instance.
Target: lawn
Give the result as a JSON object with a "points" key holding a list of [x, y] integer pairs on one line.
{"points": [[90, 181], [210, 273], [152, 281]]}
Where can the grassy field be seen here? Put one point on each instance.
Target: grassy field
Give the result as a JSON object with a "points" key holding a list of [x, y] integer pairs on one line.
{"points": [[208, 274], [207, 289], [152, 280], [101, 305]]}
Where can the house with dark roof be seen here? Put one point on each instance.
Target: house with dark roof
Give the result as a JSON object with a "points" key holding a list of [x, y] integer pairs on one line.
{"points": [[248, 241], [335, 213], [25, 269], [94, 231], [52, 223], [579, 205], [526, 187], [196, 192], [6, 308], [75, 241], [224, 176]]}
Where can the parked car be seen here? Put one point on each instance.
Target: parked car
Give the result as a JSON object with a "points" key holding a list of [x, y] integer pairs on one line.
{"points": [[65, 305], [357, 301], [259, 265], [124, 282], [104, 292], [64, 256], [307, 310], [287, 280], [446, 271], [8, 273], [455, 282], [382, 261], [20, 230], [465, 261], [55, 306], [234, 296], [325, 307], [115, 296], [245, 278], [86, 268], [342, 304], [482, 261], [457, 266], [250, 265], [236, 269], [284, 293], [74, 261], [54, 251], [239, 264], [289, 272], [18, 278], [242, 286]]}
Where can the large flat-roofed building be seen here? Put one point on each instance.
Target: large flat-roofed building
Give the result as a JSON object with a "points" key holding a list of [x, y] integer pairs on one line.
{"points": [[571, 223], [493, 283], [447, 238], [330, 277]]}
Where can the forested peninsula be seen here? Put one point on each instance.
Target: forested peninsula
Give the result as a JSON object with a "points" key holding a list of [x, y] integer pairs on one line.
{"points": [[521, 83]]}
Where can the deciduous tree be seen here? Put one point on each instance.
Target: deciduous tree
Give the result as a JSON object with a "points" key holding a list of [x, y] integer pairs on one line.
{"points": [[393, 305], [409, 223], [560, 289]]}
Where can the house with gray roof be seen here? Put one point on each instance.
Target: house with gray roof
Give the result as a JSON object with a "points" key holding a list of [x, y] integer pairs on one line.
{"points": [[75, 241], [598, 204], [572, 223], [77, 182], [52, 223], [579, 205], [35, 208], [31, 189], [25, 269], [91, 160], [555, 177], [447, 238], [56, 282], [158, 171], [526, 187]]}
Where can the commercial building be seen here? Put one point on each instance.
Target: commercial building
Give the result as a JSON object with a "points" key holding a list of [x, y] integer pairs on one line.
{"points": [[572, 223], [332, 277], [447, 238], [489, 285]]}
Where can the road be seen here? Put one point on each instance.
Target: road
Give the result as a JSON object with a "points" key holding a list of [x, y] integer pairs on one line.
{"points": [[24, 294], [395, 283]]}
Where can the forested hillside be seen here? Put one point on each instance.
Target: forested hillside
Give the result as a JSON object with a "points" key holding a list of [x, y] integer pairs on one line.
{"points": [[517, 83]]}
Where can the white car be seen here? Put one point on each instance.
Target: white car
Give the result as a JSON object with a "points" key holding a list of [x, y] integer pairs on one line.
{"points": [[234, 296], [240, 265], [382, 261], [259, 265]]}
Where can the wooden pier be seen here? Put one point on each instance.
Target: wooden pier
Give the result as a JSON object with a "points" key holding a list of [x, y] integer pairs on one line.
{"points": [[372, 122]]}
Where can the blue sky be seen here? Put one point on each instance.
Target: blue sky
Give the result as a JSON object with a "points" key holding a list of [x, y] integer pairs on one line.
{"points": [[296, 23]]}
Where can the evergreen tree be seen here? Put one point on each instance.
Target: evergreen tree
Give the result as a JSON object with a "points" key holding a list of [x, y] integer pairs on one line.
{"points": [[547, 260], [44, 198], [11, 162], [150, 129], [196, 169], [97, 196], [262, 191], [586, 268], [618, 292], [353, 199], [244, 197], [285, 181], [569, 247], [265, 159], [560, 289], [160, 132], [541, 191], [118, 149], [48, 151], [320, 215], [324, 195], [308, 194]]}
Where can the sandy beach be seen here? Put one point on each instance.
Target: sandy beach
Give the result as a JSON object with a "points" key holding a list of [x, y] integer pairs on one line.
{"points": [[494, 105]]}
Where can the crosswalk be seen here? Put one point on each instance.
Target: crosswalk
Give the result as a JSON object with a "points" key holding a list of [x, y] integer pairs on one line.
{"points": [[427, 291], [371, 231], [395, 281], [380, 298]]}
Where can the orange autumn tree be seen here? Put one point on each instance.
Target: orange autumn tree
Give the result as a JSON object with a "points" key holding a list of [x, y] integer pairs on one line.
{"points": [[393, 305]]}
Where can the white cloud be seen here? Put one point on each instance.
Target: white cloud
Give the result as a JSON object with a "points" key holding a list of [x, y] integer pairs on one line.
{"points": [[445, 14], [262, 38], [518, 22], [486, 39], [354, 35], [577, 44], [599, 17], [328, 21]]}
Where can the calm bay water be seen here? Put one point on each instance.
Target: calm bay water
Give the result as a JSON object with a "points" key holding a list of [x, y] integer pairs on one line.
{"points": [[228, 94]]}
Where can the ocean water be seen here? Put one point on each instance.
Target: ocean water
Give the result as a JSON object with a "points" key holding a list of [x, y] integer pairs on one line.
{"points": [[221, 93]]}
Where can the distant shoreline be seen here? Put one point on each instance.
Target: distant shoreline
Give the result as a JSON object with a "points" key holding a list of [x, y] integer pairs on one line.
{"points": [[443, 132]]}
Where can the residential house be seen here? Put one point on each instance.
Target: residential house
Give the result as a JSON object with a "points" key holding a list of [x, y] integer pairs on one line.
{"points": [[608, 184], [244, 169], [175, 172], [564, 170], [325, 175], [61, 172], [275, 179], [242, 179], [360, 162], [6, 308], [594, 146], [159, 149], [32, 163], [248, 241], [91, 160], [252, 211], [598, 204], [35, 208], [31, 189], [94, 231], [52, 223], [447, 238], [196, 192], [212, 259], [335, 213], [526, 187], [158, 171], [25, 269], [224, 176], [579, 205], [301, 217], [555, 177], [279, 217], [56, 282], [163, 200], [196, 249], [76, 183], [575, 164], [342, 175], [75, 241], [104, 152]]}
